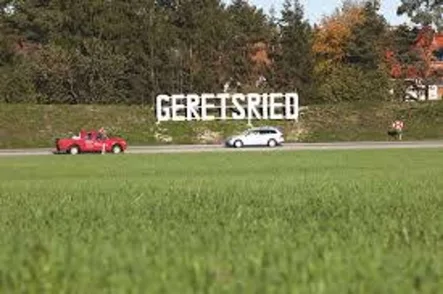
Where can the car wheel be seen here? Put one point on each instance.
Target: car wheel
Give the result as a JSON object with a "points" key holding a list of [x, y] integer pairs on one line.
{"points": [[116, 149], [272, 143], [74, 150], [238, 144]]}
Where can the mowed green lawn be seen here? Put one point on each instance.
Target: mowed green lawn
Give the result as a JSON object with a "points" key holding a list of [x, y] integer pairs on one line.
{"points": [[272, 222]]}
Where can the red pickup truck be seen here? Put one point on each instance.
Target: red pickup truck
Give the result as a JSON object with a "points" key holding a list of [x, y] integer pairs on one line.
{"points": [[90, 142]]}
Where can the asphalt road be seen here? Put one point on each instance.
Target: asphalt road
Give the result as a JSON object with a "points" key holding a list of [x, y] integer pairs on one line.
{"points": [[220, 148]]}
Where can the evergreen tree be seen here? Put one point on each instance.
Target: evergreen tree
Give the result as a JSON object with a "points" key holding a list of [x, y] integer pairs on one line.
{"points": [[202, 32], [247, 28], [94, 52], [294, 62], [368, 39]]}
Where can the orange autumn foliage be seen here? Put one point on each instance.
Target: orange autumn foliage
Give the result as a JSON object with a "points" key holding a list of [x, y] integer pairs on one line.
{"points": [[259, 54], [334, 32]]}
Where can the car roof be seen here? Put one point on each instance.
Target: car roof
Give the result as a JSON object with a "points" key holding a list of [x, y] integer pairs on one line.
{"points": [[265, 128]]}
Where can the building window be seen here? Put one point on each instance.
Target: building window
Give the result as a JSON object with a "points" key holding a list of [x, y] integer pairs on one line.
{"points": [[438, 54]]}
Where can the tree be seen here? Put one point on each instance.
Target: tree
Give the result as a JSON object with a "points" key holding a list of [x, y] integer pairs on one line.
{"points": [[201, 33], [423, 12], [428, 14], [294, 62], [367, 39], [350, 47], [333, 34], [94, 52], [350, 83], [249, 35], [403, 57]]}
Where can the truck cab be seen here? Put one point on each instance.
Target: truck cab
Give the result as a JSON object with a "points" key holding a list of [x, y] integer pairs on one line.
{"points": [[90, 142]]}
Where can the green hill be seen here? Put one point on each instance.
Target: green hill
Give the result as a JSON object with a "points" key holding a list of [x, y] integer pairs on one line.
{"points": [[23, 125]]}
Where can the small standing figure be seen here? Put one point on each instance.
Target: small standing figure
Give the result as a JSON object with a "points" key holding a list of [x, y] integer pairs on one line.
{"points": [[398, 128], [102, 136]]}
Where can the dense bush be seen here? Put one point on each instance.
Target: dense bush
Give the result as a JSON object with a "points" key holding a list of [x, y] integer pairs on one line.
{"points": [[350, 83]]}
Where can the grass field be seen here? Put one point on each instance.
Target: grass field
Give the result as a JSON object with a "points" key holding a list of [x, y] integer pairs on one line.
{"points": [[278, 222]]}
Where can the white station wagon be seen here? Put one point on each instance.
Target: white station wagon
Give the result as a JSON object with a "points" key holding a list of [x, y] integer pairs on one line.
{"points": [[258, 136]]}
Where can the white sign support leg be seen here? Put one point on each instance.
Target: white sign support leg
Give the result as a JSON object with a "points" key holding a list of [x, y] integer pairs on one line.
{"points": [[249, 122]]}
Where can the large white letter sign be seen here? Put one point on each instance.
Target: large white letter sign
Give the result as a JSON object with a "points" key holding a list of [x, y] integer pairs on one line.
{"points": [[291, 104], [253, 105], [192, 103], [163, 112], [206, 105], [241, 111], [274, 105], [223, 98], [225, 106], [177, 107]]}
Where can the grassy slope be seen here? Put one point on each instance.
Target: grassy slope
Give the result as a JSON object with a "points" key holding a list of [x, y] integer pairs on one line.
{"points": [[304, 222], [37, 126]]}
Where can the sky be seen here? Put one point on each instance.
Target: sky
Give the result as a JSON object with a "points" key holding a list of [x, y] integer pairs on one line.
{"points": [[315, 9]]}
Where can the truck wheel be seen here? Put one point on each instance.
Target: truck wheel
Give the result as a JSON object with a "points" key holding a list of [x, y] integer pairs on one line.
{"points": [[116, 149], [73, 150]]}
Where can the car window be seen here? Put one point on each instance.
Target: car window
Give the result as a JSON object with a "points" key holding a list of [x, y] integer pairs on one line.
{"points": [[101, 136], [267, 132]]}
